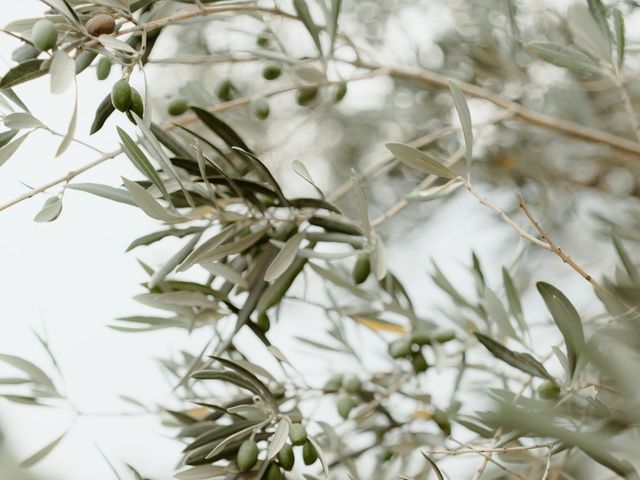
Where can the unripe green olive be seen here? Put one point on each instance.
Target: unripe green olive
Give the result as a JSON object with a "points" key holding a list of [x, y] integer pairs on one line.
{"points": [[101, 24], [271, 71], [103, 69], [442, 420], [400, 348], [121, 95], [263, 39], [420, 338], [44, 34], [297, 434], [340, 92], [444, 336], [385, 454], [306, 96], [137, 104], [224, 90], [333, 384], [549, 390], [263, 322], [352, 384], [419, 363], [345, 404], [247, 455], [286, 459], [260, 108], [177, 106], [272, 473], [309, 453], [361, 269]]}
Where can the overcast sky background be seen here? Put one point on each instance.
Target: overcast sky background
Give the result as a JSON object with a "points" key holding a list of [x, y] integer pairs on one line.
{"points": [[71, 277]]}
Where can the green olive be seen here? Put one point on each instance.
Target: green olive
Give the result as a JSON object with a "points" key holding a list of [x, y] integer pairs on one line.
{"points": [[44, 34], [333, 384], [352, 384], [263, 39], [137, 104], [297, 434], [286, 459], [361, 269], [263, 322], [444, 335], [247, 455], [224, 90], [260, 108], [385, 454], [306, 96], [419, 363], [103, 69], [309, 453], [345, 404], [549, 390], [400, 348], [420, 338], [340, 92], [272, 472], [122, 95], [271, 71], [177, 106]]}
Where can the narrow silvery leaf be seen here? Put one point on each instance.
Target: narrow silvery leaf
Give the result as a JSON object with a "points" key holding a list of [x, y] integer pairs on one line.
{"points": [[564, 57], [332, 24], [204, 472], [150, 205], [105, 191], [302, 10], [10, 148], [34, 372], [379, 258], [279, 438], [50, 210], [62, 71], [21, 120], [113, 43], [414, 158], [42, 453], [587, 32], [513, 298], [567, 319], [465, 120], [301, 170], [618, 23], [174, 261], [227, 272], [363, 209], [285, 258], [435, 192], [64, 9], [140, 160], [71, 129], [497, 313]]}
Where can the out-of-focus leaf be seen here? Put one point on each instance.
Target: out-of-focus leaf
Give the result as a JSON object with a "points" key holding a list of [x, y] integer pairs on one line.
{"points": [[513, 297], [497, 313], [156, 236], [628, 264], [587, 32], [285, 258], [302, 10], [10, 148], [33, 372], [63, 8], [62, 71], [618, 24], [332, 23], [567, 319], [521, 361], [42, 453], [50, 210], [414, 158], [104, 191], [71, 129], [203, 472], [434, 465], [465, 120], [564, 57]]}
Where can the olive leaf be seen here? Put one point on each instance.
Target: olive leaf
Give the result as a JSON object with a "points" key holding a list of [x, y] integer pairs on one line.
{"points": [[414, 158], [302, 10], [50, 210], [150, 205], [279, 438], [465, 120], [285, 258], [564, 57], [104, 191], [62, 71], [618, 23], [43, 452], [25, 71]]}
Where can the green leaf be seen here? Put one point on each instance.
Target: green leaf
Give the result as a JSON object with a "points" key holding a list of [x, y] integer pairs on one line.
{"points": [[618, 24], [42, 453], [285, 258], [220, 128], [21, 120], [302, 10], [156, 236], [497, 313], [174, 261], [150, 205], [31, 370], [434, 465], [587, 32], [103, 112], [567, 319], [414, 158], [25, 71], [465, 120], [71, 129], [628, 264], [50, 210], [521, 361], [513, 297], [564, 57], [332, 24], [104, 191], [10, 148], [139, 159], [62, 71]]}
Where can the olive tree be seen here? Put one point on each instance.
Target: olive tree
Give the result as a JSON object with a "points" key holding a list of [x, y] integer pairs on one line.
{"points": [[526, 110]]}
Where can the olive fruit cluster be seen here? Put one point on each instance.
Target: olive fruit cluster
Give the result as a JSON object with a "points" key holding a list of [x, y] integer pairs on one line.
{"points": [[410, 346], [298, 437], [127, 99], [348, 388]]}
